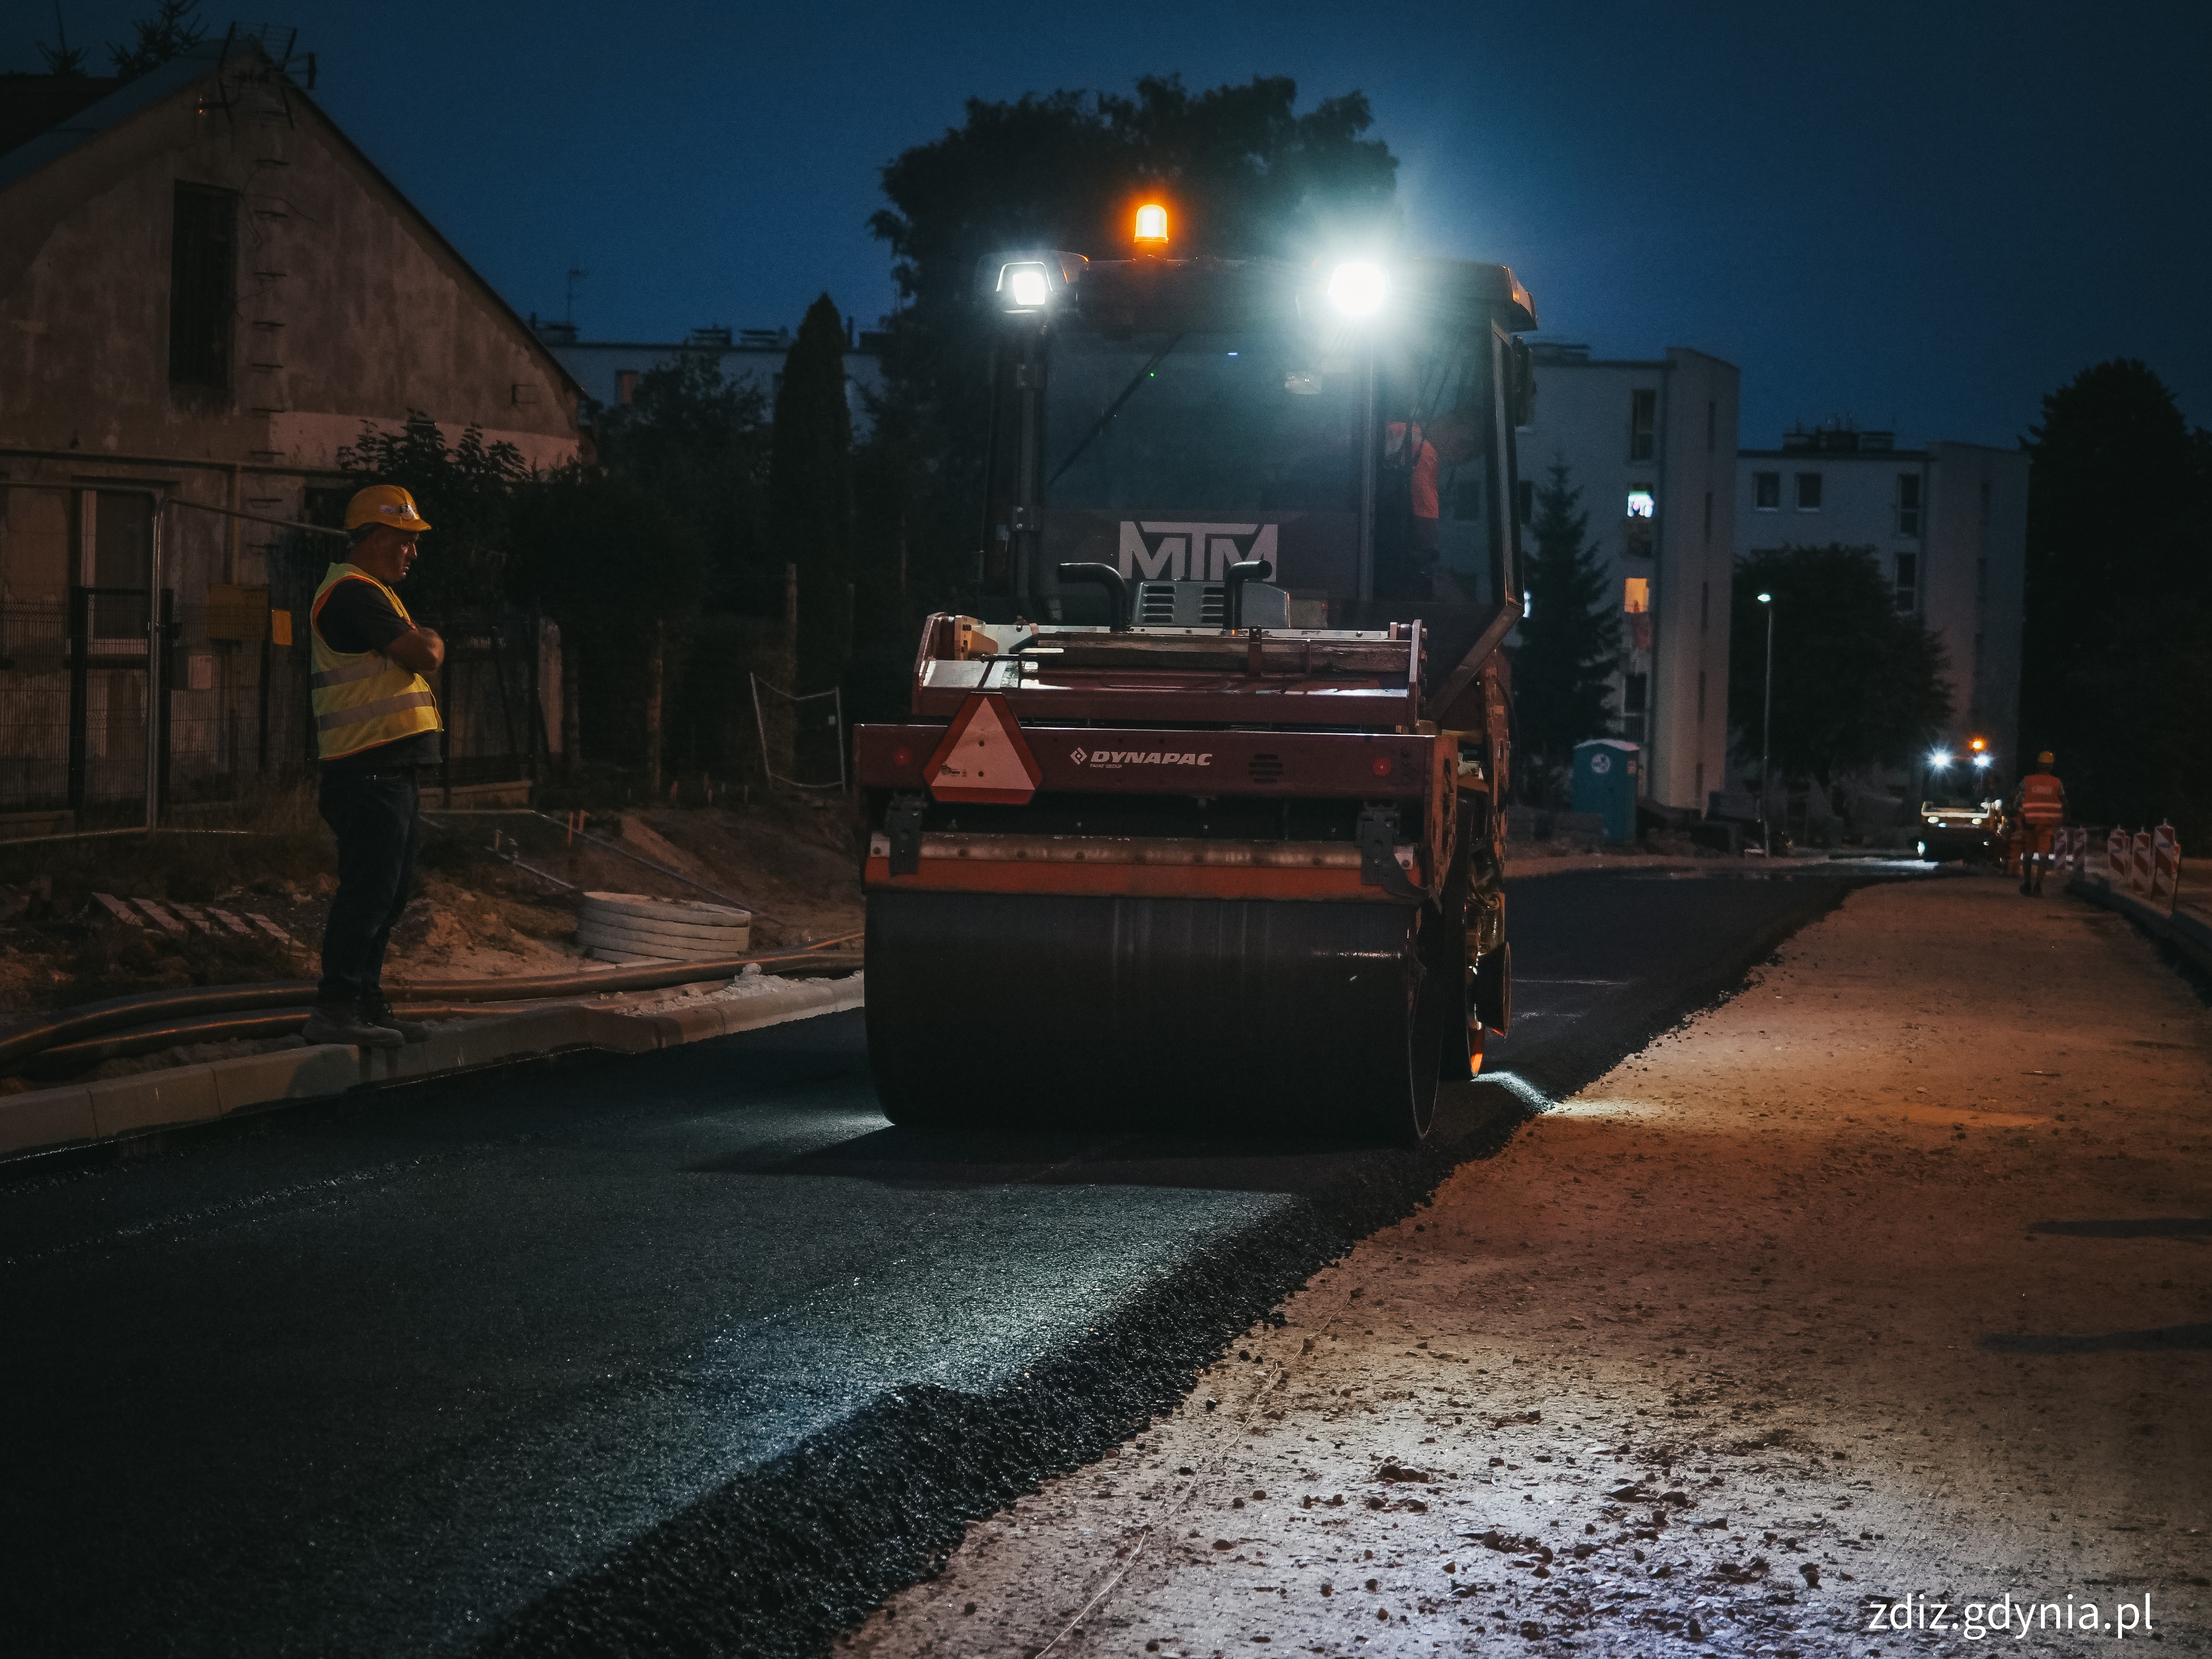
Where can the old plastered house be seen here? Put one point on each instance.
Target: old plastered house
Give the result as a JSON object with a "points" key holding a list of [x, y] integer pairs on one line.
{"points": [[205, 290]]}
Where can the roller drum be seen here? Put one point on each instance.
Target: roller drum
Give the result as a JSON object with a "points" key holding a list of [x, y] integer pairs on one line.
{"points": [[1038, 1011]]}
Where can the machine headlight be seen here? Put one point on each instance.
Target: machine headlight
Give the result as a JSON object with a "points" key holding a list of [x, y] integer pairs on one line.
{"points": [[1357, 289], [1023, 287]]}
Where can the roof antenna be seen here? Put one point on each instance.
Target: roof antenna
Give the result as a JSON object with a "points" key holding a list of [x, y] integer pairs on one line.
{"points": [[575, 276]]}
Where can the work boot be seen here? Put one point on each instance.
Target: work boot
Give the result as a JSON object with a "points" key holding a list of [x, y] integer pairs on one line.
{"points": [[343, 1022], [377, 1012]]}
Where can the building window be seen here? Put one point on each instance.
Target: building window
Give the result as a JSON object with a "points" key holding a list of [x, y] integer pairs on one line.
{"points": [[1908, 503], [115, 560], [1526, 489], [1808, 492], [202, 285], [1708, 517], [1643, 424], [1766, 491], [1908, 580], [625, 386], [1641, 501], [1634, 693]]}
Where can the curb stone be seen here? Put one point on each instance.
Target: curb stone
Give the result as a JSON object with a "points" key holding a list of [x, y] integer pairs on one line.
{"points": [[39, 1119]]}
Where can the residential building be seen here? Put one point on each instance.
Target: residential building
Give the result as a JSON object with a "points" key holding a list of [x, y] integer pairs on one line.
{"points": [[206, 291], [609, 370], [1650, 443], [1947, 525]]}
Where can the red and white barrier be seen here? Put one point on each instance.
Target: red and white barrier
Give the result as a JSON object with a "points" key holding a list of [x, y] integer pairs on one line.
{"points": [[2119, 856], [2166, 865]]}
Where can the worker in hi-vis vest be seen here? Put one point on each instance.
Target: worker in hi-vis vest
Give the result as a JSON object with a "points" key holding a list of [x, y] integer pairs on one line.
{"points": [[376, 726], [2039, 804]]}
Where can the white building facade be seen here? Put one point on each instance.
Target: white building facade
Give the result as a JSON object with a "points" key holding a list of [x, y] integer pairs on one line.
{"points": [[1949, 526], [609, 370], [1651, 445]]}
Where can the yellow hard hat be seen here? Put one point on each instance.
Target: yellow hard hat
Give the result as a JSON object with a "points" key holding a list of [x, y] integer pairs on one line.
{"points": [[384, 504], [2046, 758]]}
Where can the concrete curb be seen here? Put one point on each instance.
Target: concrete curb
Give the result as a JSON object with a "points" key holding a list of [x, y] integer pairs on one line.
{"points": [[41, 1119], [2186, 932]]}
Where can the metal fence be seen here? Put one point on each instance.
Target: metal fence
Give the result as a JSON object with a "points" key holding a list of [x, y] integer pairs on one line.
{"points": [[82, 733]]}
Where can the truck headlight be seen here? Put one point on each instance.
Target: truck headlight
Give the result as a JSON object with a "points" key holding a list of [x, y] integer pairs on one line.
{"points": [[1358, 288]]}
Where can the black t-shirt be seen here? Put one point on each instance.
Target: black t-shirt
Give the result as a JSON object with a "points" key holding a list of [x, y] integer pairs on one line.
{"points": [[358, 618]]}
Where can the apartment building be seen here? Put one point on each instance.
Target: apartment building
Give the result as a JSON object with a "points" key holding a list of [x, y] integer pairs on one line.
{"points": [[1947, 525], [1650, 443]]}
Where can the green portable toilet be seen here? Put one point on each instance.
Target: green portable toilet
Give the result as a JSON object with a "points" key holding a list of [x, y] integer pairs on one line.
{"points": [[1608, 775]]}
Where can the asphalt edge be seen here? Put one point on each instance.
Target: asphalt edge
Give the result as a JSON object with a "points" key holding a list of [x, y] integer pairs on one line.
{"points": [[73, 1116], [878, 1502], [2188, 935]]}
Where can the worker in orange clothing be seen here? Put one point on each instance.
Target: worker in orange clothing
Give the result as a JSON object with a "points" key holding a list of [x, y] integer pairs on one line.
{"points": [[2039, 804]]}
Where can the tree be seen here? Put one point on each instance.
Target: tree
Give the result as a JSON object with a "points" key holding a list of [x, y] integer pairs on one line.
{"points": [[62, 58], [1856, 684], [1570, 640], [602, 555], [698, 443], [1243, 171], [2119, 626], [465, 491], [169, 33], [810, 493]]}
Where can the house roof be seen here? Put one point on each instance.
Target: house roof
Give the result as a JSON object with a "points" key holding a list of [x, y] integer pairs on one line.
{"points": [[30, 103], [72, 128]]}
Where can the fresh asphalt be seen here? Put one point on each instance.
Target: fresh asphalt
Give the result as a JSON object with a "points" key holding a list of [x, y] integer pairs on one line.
{"points": [[686, 1353]]}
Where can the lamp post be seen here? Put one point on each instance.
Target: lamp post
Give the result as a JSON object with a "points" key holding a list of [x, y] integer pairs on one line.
{"points": [[1766, 731]]}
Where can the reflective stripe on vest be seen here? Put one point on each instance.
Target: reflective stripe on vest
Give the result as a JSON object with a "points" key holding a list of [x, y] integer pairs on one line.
{"points": [[362, 698], [2042, 799]]}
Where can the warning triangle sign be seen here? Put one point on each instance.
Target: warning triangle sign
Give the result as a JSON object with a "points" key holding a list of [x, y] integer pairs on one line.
{"points": [[983, 757]]}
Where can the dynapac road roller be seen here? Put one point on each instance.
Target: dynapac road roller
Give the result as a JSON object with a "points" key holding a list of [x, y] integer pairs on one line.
{"points": [[1201, 820]]}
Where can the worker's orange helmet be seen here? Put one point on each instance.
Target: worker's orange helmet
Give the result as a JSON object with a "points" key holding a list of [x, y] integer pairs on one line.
{"points": [[384, 504], [2046, 758]]}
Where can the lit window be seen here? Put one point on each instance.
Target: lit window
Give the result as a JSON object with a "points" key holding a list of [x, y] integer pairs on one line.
{"points": [[1808, 492], [1635, 596], [1766, 491], [1641, 501]]}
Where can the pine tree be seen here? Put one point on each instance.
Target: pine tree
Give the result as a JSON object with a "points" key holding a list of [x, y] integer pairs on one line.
{"points": [[1571, 639], [810, 493], [169, 33]]}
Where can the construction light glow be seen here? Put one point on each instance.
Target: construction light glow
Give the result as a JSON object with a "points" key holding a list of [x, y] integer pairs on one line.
{"points": [[1981, 761], [1025, 286], [1152, 224], [1357, 289], [1938, 759]]}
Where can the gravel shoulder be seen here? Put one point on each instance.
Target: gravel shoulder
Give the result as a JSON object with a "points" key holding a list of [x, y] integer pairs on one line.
{"points": [[1880, 1289]]}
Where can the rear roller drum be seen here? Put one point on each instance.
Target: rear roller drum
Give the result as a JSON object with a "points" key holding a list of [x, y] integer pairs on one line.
{"points": [[988, 1009]]}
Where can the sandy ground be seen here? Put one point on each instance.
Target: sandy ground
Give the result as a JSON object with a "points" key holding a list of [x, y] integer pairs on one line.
{"points": [[1868, 1300]]}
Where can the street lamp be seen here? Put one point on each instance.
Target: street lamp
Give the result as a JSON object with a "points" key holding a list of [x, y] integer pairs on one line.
{"points": [[1767, 729]]}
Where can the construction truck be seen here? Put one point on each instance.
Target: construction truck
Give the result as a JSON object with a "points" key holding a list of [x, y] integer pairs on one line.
{"points": [[1201, 820]]}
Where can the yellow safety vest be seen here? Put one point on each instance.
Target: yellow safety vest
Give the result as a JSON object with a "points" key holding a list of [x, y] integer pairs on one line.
{"points": [[363, 698]]}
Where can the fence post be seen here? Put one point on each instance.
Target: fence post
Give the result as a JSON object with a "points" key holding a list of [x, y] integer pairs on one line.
{"points": [[80, 629]]}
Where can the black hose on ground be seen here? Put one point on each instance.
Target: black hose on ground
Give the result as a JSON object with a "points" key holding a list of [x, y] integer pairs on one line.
{"points": [[152, 1008]]}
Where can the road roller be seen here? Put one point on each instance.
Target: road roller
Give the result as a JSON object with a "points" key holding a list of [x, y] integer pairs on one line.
{"points": [[1198, 820]]}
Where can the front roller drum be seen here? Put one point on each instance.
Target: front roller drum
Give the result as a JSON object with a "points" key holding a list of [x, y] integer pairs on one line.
{"points": [[1006, 1009]]}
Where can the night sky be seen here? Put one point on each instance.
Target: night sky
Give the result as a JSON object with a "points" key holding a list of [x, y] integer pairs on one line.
{"points": [[1917, 216]]}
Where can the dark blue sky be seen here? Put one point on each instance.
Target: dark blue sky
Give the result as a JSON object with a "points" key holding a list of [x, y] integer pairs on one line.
{"points": [[1928, 214]]}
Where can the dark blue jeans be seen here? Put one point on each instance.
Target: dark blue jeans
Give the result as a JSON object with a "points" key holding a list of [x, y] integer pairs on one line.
{"points": [[374, 815]]}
